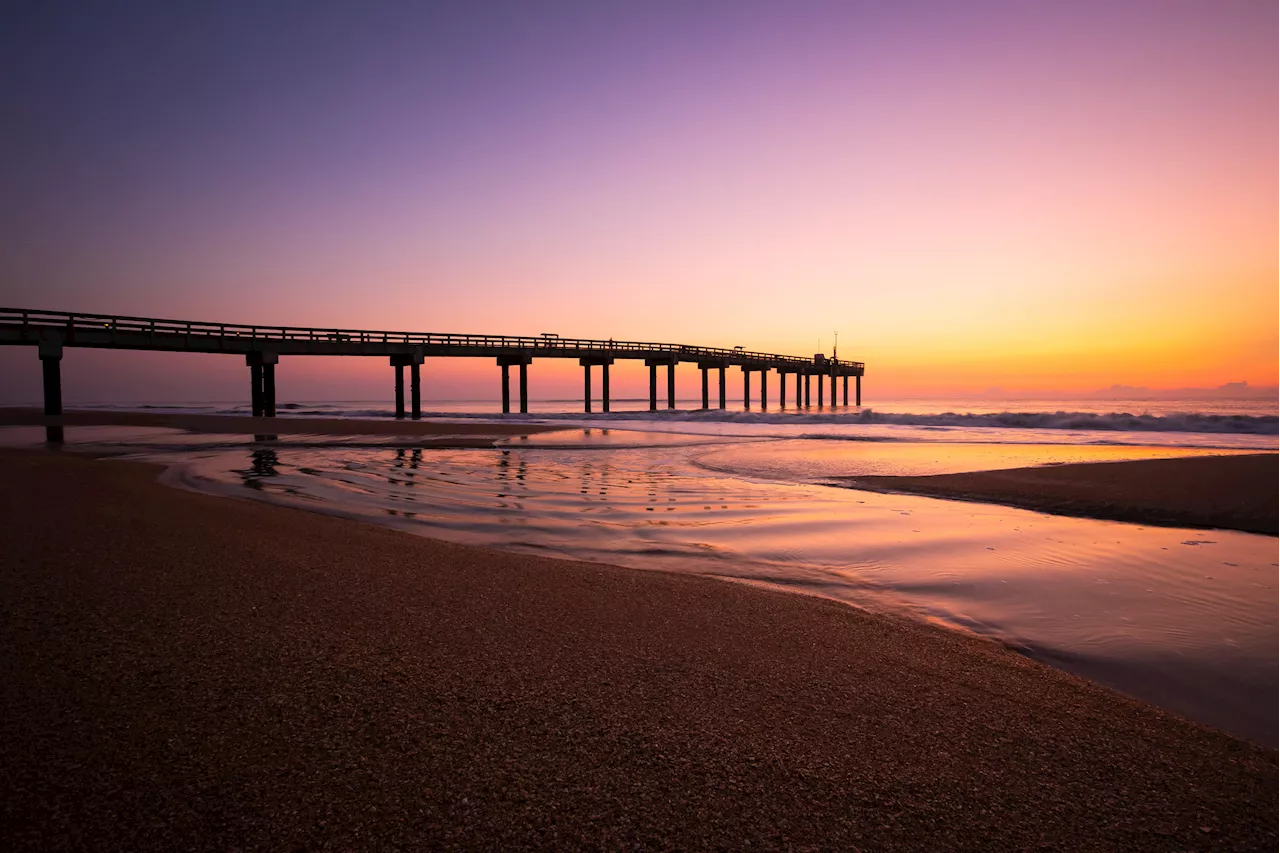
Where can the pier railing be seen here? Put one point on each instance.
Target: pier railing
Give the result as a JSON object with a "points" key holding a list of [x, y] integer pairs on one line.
{"points": [[104, 330]]}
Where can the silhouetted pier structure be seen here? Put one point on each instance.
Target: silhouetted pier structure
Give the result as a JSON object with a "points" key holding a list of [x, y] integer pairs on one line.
{"points": [[263, 346]]}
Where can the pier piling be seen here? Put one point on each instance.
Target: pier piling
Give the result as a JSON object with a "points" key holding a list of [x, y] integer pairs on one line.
{"points": [[269, 390], [524, 387], [604, 387], [399, 392], [521, 360], [587, 364], [262, 384], [51, 367], [255, 390], [670, 363], [415, 391]]}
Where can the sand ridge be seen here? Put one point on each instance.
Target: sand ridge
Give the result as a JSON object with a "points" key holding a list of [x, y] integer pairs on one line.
{"points": [[1227, 492]]}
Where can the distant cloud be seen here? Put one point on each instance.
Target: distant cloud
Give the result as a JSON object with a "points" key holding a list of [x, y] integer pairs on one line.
{"points": [[1227, 390]]}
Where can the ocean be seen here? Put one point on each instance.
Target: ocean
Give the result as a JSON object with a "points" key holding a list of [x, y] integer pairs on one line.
{"points": [[1185, 619]]}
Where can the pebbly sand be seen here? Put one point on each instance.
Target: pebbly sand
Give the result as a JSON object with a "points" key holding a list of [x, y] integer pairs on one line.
{"points": [[1227, 492], [189, 672]]}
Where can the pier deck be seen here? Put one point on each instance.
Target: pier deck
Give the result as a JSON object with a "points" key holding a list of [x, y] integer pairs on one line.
{"points": [[263, 346]]}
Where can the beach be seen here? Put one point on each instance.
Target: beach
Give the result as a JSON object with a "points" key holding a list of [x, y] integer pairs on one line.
{"points": [[1226, 492], [193, 671]]}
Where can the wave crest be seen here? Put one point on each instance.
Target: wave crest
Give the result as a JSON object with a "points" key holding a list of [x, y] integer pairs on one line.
{"points": [[1112, 422]]}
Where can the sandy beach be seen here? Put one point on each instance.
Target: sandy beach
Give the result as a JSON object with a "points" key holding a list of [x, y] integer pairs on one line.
{"points": [[199, 672], [1227, 492]]}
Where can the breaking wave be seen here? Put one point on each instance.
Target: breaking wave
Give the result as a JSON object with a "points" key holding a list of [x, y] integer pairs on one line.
{"points": [[1112, 422], [1188, 422]]}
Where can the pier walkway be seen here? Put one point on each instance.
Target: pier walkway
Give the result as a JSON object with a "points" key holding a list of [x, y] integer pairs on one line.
{"points": [[263, 346]]}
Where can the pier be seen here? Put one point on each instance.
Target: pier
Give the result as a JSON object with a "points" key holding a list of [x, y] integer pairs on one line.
{"points": [[262, 347]]}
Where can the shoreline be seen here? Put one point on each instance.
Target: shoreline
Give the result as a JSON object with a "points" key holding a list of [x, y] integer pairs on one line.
{"points": [[1235, 492], [263, 677], [285, 425]]}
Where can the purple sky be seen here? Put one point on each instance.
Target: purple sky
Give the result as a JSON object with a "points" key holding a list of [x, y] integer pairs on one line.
{"points": [[1047, 195]]}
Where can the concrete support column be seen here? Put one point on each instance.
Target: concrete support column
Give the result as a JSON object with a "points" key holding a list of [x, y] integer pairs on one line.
{"points": [[799, 392], [782, 389], [764, 389], [604, 387], [671, 385], [806, 390], [269, 390], [505, 362], [857, 390], [653, 387], [706, 397], [819, 390], [722, 388], [415, 391], [587, 364], [255, 390], [833, 389], [846, 389], [51, 367], [262, 384], [746, 387], [399, 392]]}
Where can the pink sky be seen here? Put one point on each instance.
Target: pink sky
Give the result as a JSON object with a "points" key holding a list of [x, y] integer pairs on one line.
{"points": [[974, 195]]}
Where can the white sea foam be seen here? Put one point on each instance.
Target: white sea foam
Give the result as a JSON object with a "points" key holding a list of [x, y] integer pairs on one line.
{"points": [[1256, 418], [1114, 422]]}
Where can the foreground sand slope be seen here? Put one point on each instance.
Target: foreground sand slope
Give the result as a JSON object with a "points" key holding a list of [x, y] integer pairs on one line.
{"points": [[188, 672], [1228, 492]]}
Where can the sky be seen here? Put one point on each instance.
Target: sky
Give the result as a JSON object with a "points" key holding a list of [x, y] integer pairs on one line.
{"points": [[1051, 197]]}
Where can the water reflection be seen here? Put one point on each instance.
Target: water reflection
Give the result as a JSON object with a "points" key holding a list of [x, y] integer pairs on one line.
{"points": [[263, 463], [510, 480]]}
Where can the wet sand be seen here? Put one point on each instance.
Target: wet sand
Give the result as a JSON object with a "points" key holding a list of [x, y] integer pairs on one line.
{"points": [[1226, 492], [187, 671], [239, 424]]}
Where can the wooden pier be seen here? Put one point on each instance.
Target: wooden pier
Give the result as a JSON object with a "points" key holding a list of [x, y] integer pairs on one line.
{"points": [[262, 347]]}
